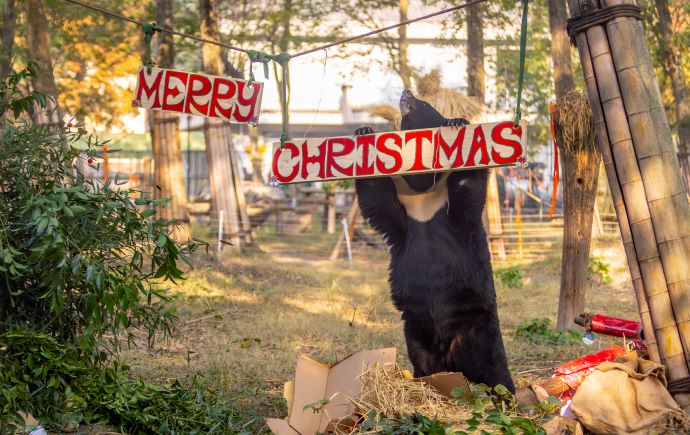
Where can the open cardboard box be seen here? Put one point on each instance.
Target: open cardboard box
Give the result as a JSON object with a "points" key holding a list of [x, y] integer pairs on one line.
{"points": [[324, 390]]}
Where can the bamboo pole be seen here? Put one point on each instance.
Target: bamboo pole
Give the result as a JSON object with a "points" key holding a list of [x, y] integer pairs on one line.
{"points": [[666, 193], [623, 171], [617, 197]]}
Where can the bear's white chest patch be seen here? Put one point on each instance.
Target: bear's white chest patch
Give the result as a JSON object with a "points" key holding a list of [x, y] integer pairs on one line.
{"points": [[422, 206]]}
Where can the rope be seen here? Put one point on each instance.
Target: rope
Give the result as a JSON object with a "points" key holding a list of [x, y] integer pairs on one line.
{"points": [[391, 27], [302, 53], [523, 49], [149, 30], [157, 28], [600, 16], [318, 105]]}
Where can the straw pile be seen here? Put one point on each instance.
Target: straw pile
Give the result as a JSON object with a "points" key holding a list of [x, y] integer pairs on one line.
{"points": [[574, 123], [388, 391], [449, 103]]}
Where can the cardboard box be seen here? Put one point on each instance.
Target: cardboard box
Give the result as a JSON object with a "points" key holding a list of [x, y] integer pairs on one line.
{"points": [[319, 394]]}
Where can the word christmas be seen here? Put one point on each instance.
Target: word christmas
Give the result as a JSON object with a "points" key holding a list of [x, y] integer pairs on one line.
{"points": [[401, 152], [198, 94]]}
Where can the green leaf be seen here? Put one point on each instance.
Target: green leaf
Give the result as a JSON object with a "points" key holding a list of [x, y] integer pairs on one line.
{"points": [[162, 240]]}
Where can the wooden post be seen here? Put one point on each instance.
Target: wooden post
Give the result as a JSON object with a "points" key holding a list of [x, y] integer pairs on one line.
{"points": [[580, 172], [105, 163], [330, 205], [625, 100], [224, 180], [167, 173], [245, 224], [493, 214], [351, 222], [165, 136]]}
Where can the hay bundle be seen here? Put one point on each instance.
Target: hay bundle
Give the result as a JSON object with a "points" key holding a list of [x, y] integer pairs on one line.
{"points": [[388, 391], [449, 103], [573, 123]]}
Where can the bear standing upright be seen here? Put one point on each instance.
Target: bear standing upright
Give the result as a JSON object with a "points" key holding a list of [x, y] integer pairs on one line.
{"points": [[440, 270]]}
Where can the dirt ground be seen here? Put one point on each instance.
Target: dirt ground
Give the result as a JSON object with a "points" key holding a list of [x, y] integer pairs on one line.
{"points": [[246, 320]]}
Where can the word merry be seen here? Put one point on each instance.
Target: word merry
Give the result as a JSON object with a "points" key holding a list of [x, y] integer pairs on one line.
{"points": [[198, 94], [400, 152]]}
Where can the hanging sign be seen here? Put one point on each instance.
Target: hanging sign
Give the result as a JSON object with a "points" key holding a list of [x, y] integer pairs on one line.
{"points": [[198, 94], [400, 152]]}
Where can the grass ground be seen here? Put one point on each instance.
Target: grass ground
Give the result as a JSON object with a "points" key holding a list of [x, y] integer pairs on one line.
{"points": [[246, 320]]}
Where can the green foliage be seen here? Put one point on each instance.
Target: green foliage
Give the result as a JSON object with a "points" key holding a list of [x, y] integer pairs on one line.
{"points": [[493, 411], [79, 260], [413, 424], [598, 267], [52, 382], [12, 100], [539, 331], [510, 277]]}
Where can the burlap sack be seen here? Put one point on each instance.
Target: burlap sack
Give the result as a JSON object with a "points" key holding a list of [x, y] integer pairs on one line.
{"points": [[627, 396]]}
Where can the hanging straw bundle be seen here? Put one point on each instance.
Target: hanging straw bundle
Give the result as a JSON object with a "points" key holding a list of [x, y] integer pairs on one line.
{"points": [[450, 103], [573, 123]]}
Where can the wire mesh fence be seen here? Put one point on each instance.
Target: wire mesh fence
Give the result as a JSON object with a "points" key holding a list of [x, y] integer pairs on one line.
{"points": [[302, 232]]}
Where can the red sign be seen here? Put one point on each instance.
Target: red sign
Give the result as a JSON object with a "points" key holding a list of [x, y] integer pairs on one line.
{"points": [[198, 94], [399, 153]]}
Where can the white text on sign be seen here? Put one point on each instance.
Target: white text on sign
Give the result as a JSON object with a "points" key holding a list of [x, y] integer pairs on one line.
{"points": [[399, 153], [198, 94]]}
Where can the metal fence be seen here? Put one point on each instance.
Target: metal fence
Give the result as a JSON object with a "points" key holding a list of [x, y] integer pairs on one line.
{"points": [[301, 233]]}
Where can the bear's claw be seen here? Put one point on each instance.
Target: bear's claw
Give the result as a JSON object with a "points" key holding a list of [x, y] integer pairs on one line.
{"points": [[457, 122], [364, 130]]}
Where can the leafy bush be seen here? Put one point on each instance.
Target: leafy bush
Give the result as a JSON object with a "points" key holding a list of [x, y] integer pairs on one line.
{"points": [[597, 267], [80, 260], [51, 381], [539, 331], [82, 265], [412, 424], [510, 277]]}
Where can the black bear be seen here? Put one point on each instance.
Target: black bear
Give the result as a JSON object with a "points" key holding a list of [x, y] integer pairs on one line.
{"points": [[440, 270]]}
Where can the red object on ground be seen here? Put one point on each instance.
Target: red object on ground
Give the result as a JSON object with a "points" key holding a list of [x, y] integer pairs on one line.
{"points": [[615, 327], [574, 372]]}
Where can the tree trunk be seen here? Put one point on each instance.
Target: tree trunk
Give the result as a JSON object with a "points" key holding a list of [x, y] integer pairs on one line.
{"points": [[680, 90], [475, 52], [168, 173], [579, 174], [560, 49], [7, 28], [403, 45], [38, 44], [225, 185]]}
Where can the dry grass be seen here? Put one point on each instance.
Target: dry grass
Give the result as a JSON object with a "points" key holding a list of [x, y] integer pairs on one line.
{"points": [[388, 391], [277, 307], [574, 124]]}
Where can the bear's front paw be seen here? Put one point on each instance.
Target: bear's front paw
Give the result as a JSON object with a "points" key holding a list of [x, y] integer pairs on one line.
{"points": [[457, 122], [363, 131]]}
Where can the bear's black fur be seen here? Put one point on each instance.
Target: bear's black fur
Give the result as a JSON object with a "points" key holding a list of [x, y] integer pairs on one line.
{"points": [[440, 270]]}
